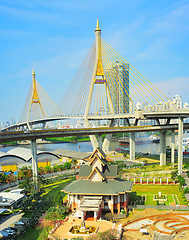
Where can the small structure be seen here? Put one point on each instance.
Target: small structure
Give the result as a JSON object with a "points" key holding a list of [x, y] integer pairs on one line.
{"points": [[66, 155], [98, 190], [11, 199]]}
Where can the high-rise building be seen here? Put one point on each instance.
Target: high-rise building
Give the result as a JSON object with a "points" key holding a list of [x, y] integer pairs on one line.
{"points": [[118, 81]]}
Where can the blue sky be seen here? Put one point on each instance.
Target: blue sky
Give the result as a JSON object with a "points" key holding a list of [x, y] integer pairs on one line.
{"points": [[53, 37]]}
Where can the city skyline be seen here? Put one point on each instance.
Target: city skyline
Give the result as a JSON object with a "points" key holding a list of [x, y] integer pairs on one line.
{"points": [[53, 38]]}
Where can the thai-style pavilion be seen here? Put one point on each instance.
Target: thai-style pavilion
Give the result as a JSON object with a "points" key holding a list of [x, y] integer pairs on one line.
{"points": [[97, 189]]}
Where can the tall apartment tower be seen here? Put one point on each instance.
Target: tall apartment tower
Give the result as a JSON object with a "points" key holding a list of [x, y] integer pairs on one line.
{"points": [[118, 81]]}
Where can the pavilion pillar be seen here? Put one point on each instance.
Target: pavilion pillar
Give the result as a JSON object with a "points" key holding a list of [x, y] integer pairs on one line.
{"points": [[82, 215], [34, 163], [118, 204], [160, 180], [112, 204], [72, 202], [76, 201], [167, 180], [125, 202], [132, 146], [95, 216], [173, 148], [180, 145], [147, 180], [154, 181]]}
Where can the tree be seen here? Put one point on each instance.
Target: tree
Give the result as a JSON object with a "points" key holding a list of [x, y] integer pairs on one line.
{"points": [[58, 198], [181, 180], [67, 165], [174, 175], [48, 169]]}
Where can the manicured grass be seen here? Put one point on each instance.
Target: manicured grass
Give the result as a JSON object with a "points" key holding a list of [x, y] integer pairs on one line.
{"points": [[138, 190], [31, 234], [51, 189], [27, 214], [170, 199]]}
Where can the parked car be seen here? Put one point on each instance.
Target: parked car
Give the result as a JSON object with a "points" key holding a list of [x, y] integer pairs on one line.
{"points": [[9, 231], [12, 228], [19, 223]]}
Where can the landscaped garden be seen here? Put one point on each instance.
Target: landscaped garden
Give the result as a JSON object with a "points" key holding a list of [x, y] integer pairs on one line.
{"points": [[144, 195]]}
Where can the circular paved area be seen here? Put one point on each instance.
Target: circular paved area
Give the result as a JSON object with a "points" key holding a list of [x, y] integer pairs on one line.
{"points": [[174, 224]]}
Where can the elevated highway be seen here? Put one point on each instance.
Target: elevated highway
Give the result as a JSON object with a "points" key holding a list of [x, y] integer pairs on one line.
{"points": [[38, 134], [137, 115]]}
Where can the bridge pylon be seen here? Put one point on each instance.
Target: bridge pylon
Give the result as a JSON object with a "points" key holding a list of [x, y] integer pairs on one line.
{"points": [[98, 78], [38, 105], [35, 100]]}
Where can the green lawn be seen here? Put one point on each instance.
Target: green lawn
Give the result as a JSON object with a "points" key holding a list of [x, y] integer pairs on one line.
{"points": [[31, 234], [138, 190], [51, 189]]}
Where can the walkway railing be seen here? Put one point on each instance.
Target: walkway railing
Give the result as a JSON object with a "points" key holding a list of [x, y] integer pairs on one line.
{"points": [[151, 180]]}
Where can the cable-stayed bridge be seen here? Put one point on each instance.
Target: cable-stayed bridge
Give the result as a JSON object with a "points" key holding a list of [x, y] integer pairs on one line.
{"points": [[105, 87]]}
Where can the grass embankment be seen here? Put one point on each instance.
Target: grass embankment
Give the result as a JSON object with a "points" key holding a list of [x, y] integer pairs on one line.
{"points": [[50, 191], [170, 191], [67, 139], [152, 170]]}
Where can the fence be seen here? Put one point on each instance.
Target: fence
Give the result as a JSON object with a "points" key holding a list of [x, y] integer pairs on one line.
{"points": [[160, 207]]}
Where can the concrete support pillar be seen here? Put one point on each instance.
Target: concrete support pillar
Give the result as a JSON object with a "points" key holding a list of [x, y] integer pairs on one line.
{"points": [[107, 139], [93, 139], [34, 163], [173, 148], [180, 145], [44, 125], [162, 148], [132, 146], [100, 141]]}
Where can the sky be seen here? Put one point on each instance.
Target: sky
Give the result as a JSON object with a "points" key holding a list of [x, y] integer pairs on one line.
{"points": [[53, 37]]}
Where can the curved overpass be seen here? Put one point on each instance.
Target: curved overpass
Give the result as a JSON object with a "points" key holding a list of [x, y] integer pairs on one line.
{"points": [[38, 134]]}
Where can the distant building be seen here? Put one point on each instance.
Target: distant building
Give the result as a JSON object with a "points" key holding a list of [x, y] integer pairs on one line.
{"points": [[177, 100]]}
